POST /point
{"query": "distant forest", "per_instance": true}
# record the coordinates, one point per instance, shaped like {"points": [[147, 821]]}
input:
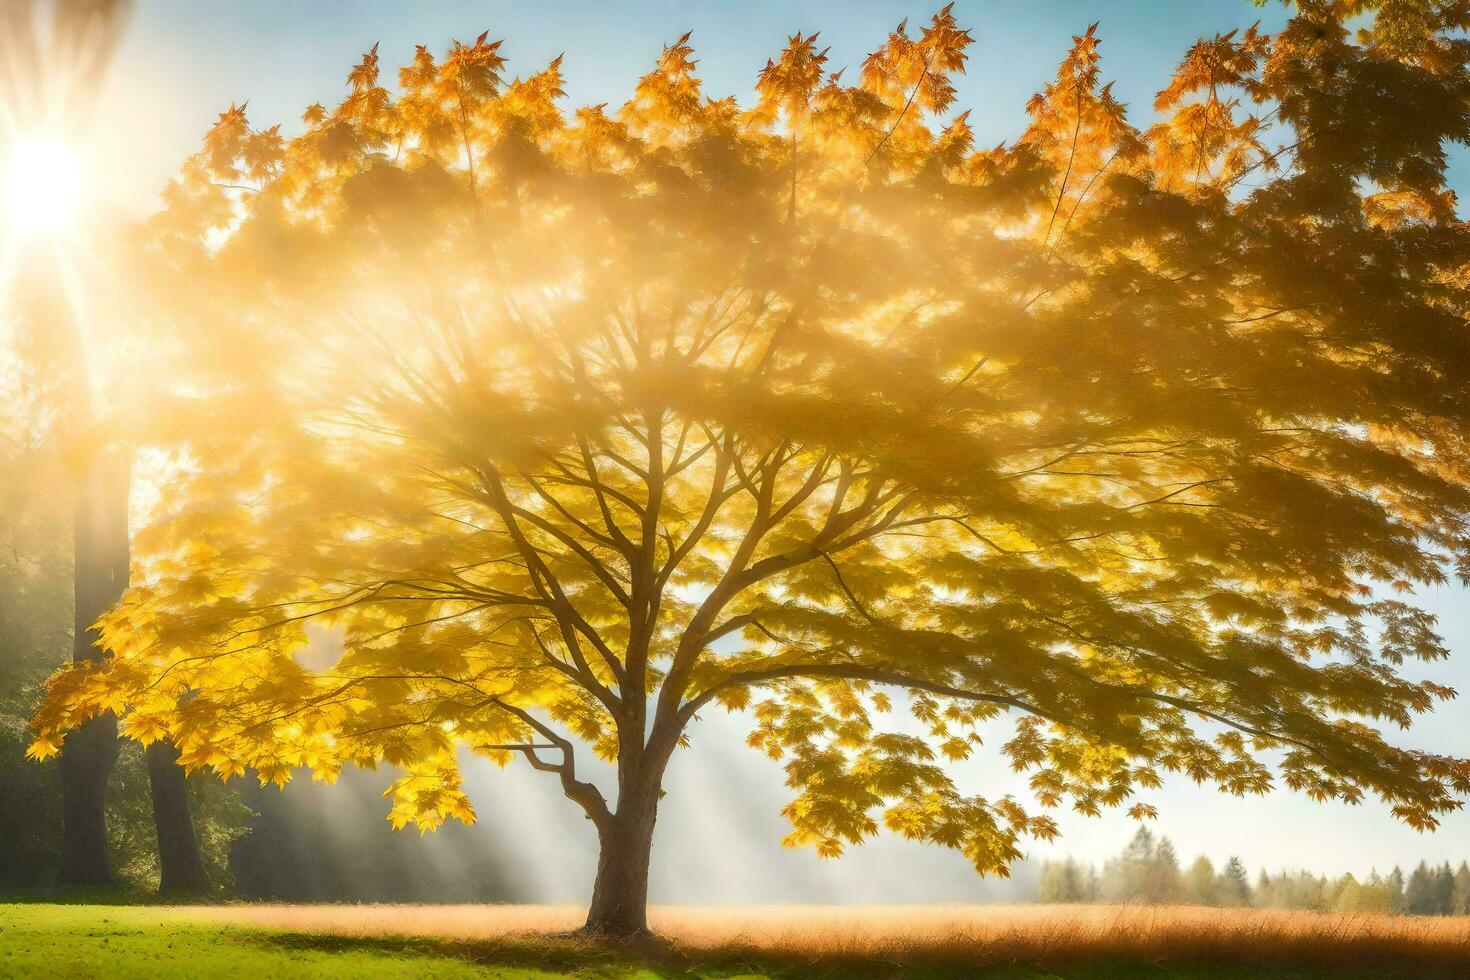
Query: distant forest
{"points": [[1148, 872]]}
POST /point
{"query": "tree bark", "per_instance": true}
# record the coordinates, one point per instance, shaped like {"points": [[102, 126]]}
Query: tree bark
{"points": [[619, 908], [179, 860], [100, 556], [87, 758]]}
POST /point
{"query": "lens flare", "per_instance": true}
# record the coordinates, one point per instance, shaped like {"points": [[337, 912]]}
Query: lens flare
{"points": [[43, 186]]}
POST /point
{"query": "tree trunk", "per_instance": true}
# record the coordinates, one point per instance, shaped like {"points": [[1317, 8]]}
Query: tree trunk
{"points": [[87, 757], [100, 573], [179, 859], [619, 908]]}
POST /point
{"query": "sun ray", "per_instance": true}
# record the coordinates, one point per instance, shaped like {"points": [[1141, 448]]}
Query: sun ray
{"points": [[43, 186]]}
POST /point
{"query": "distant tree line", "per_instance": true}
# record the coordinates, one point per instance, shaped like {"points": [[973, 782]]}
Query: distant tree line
{"points": [[1148, 872]]}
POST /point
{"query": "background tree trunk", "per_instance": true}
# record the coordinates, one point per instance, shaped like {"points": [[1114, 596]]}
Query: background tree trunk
{"points": [[80, 37], [87, 757], [179, 860], [100, 555]]}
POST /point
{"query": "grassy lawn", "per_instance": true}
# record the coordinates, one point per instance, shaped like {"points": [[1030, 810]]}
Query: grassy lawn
{"points": [[124, 942], [40, 940]]}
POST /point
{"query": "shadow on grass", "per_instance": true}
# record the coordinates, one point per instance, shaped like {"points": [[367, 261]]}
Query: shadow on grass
{"points": [[550, 953], [591, 960]]}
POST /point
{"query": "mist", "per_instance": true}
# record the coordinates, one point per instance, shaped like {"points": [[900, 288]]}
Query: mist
{"points": [[719, 841]]}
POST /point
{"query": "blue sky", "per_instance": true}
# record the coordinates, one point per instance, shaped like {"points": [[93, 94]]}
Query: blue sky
{"points": [[184, 61]]}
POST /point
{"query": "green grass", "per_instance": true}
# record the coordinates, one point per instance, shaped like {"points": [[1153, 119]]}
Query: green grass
{"points": [[124, 942], [119, 942]]}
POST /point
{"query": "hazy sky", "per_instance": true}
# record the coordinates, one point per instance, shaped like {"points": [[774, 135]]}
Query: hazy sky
{"points": [[184, 61]]}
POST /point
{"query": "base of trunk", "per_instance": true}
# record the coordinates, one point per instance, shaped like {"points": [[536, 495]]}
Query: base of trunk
{"points": [[179, 861], [616, 931], [622, 916], [641, 939], [86, 763]]}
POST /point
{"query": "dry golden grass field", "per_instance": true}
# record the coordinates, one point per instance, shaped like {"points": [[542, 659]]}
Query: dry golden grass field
{"points": [[460, 942], [948, 940]]}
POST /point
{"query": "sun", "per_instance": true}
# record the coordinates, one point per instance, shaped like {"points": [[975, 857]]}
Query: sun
{"points": [[43, 186]]}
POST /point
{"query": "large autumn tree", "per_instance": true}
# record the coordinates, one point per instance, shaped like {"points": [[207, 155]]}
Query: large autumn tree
{"points": [[1134, 442]]}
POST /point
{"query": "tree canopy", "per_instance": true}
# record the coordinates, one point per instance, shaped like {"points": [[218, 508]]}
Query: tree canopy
{"points": [[567, 426]]}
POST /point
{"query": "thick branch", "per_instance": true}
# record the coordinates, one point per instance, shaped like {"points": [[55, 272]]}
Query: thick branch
{"points": [[586, 795]]}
